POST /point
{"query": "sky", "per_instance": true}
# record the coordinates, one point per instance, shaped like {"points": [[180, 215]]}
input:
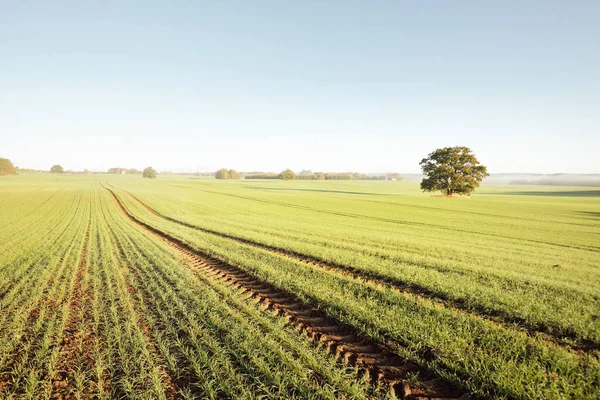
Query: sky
{"points": [[369, 86]]}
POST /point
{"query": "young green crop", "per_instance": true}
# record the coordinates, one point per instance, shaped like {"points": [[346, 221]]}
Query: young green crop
{"points": [[481, 354], [249, 353], [495, 261], [93, 305]]}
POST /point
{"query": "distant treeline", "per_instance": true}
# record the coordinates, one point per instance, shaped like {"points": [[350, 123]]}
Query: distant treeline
{"points": [[118, 170], [325, 176], [263, 176]]}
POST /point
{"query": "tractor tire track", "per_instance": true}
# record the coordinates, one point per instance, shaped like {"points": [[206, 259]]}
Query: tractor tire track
{"points": [[381, 364]]}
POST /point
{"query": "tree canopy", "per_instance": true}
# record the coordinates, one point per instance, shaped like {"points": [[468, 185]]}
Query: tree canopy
{"points": [[288, 175], [233, 174], [453, 170], [149, 172], [223, 173], [57, 169], [7, 167]]}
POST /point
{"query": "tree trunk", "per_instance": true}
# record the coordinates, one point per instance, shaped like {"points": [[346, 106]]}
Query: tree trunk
{"points": [[449, 192]]}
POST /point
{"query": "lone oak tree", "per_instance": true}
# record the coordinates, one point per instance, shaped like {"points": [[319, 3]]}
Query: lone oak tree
{"points": [[453, 170], [149, 172], [57, 169]]}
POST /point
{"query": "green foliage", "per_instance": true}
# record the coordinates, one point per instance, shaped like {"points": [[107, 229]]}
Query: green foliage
{"points": [[119, 170], [57, 169], [341, 176], [262, 176], [223, 173], [288, 175], [7, 167], [149, 172], [311, 177], [453, 170]]}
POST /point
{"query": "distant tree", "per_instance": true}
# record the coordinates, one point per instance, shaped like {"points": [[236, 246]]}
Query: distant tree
{"points": [[233, 174], [306, 172], [453, 170], [7, 167], [223, 173], [288, 175], [57, 169], [149, 172], [395, 176]]}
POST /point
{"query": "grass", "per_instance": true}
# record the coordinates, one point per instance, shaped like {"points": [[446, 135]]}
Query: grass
{"points": [[466, 288]]}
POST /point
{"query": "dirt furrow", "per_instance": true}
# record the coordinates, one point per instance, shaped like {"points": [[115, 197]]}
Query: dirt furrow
{"points": [[405, 379], [568, 339]]}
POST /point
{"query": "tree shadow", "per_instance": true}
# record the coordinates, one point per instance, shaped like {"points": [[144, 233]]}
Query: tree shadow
{"points": [[316, 190], [561, 193]]}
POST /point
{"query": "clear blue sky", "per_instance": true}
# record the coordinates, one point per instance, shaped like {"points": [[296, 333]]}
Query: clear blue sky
{"points": [[325, 85]]}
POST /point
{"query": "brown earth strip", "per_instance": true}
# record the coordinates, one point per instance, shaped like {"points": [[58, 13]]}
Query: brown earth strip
{"points": [[381, 364], [568, 338]]}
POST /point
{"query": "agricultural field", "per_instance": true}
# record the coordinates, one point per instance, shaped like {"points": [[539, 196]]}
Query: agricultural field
{"points": [[178, 287]]}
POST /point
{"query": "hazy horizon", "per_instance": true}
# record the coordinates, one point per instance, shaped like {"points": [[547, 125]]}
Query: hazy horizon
{"points": [[327, 86]]}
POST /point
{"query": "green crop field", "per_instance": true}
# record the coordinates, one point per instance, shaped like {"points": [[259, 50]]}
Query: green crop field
{"points": [[185, 287]]}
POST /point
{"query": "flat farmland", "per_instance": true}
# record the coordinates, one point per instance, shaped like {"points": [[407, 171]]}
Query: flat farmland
{"points": [[181, 287]]}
